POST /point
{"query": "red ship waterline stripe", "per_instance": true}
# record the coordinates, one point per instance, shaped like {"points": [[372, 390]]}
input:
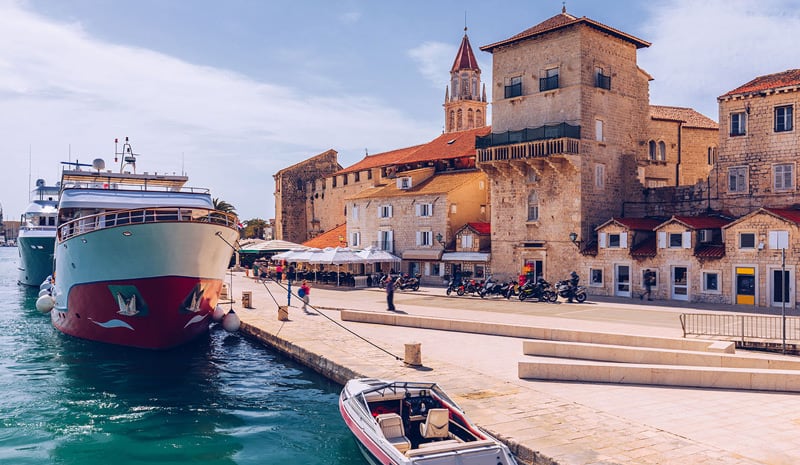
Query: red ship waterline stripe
{"points": [[162, 326]]}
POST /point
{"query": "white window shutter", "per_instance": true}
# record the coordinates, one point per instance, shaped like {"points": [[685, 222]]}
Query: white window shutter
{"points": [[662, 240], [687, 240], [430, 209], [623, 240], [773, 239], [380, 211], [419, 237], [427, 269], [418, 209], [602, 240], [390, 235], [390, 211]]}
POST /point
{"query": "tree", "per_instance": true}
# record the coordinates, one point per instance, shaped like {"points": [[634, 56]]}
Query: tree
{"points": [[254, 229], [223, 206]]}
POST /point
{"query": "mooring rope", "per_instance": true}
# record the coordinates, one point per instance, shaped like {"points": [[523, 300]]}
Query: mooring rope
{"points": [[331, 320]]}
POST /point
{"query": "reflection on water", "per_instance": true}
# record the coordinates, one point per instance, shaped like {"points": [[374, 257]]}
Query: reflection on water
{"points": [[221, 400]]}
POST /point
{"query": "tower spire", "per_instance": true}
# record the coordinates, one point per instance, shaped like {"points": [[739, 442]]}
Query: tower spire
{"points": [[464, 106]]}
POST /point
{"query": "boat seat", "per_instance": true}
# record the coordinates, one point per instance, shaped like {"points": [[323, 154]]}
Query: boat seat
{"points": [[392, 428], [436, 425]]}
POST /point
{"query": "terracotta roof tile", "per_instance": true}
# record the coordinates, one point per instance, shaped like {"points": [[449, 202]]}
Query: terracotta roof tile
{"points": [[690, 117], [639, 224], [710, 251], [789, 78], [789, 214], [702, 221], [446, 146], [481, 228], [560, 21], [329, 238], [465, 59], [646, 248], [441, 183]]}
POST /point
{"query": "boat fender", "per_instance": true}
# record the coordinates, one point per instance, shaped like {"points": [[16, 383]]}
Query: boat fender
{"points": [[45, 285], [231, 322], [45, 292], [219, 312], [45, 303]]}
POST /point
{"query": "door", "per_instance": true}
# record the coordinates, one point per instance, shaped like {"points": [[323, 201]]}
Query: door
{"points": [[745, 285], [622, 280], [680, 283], [780, 289]]}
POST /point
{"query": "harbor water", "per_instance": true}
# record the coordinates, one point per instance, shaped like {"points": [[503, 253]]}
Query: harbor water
{"points": [[221, 400]]}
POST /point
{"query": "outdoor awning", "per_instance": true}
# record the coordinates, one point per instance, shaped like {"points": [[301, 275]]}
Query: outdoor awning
{"points": [[465, 257], [422, 254], [274, 245]]}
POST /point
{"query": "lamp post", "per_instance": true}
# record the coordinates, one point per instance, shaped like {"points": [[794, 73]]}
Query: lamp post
{"points": [[440, 239], [784, 291]]}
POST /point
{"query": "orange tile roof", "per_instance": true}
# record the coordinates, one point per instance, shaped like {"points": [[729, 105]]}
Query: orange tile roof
{"points": [[789, 214], [689, 116], [441, 183], [634, 224], [789, 78], [446, 146], [329, 238], [561, 21]]}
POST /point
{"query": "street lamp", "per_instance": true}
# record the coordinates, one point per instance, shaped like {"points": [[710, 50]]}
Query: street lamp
{"points": [[573, 237], [440, 239]]}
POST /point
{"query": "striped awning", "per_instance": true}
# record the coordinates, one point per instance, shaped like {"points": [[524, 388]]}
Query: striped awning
{"points": [[422, 254]]}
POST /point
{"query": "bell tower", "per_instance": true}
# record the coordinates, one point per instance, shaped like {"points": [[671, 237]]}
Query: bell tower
{"points": [[465, 97]]}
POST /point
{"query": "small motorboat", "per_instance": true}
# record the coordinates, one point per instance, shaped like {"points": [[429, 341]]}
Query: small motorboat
{"points": [[401, 422]]}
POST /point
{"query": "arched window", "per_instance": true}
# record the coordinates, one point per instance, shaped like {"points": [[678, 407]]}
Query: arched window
{"points": [[451, 122], [455, 88], [533, 206], [479, 123], [475, 88], [712, 155], [652, 153], [470, 119], [459, 120], [662, 151]]}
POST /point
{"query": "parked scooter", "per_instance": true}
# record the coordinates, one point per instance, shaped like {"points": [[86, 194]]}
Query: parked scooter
{"points": [[490, 287], [538, 289]]}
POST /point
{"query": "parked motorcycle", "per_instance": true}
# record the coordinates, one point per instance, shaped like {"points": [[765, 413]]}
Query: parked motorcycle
{"points": [[455, 285], [408, 282], [538, 289], [565, 289], [509, 289], [490, 287], [471, 287]]}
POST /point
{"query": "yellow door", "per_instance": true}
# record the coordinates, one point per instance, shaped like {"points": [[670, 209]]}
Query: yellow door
{"points": [[745, 286]]}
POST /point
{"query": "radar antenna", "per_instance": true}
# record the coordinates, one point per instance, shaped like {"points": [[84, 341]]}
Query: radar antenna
{"points": [[126, 157]]}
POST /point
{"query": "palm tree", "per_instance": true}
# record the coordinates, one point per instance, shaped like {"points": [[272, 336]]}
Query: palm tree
{"points": [[223, 206], [255, 228]]}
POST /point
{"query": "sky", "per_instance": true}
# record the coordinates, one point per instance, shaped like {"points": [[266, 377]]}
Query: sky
{"points": [[231, 92]]}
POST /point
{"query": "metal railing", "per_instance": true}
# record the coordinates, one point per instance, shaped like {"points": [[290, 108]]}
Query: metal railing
{"points": [[116, 218], [741, 327], [553, 131], [534, 149]]}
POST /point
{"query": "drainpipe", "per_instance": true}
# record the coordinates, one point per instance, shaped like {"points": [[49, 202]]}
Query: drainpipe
{"points": [[678, 165]]}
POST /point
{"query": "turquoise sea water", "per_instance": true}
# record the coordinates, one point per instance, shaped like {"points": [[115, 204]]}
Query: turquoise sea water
{"points": [[222, 400]]}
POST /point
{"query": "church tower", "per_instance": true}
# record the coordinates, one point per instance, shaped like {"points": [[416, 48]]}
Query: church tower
{"points": [[465, 106]]}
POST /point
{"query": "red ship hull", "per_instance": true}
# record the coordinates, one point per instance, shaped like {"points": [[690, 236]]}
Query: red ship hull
{"points": [[151, 313]]}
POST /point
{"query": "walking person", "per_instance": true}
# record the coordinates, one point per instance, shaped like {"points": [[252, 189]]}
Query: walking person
{"points": [[649, 282], [305, 290], [390, 294]]}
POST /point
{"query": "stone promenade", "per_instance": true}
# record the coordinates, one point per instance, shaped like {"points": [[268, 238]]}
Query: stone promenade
{"points": [[544, 422]]}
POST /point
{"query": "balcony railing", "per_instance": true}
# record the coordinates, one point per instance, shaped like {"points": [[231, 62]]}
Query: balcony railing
{"points": [[556, 131], [548, 83], [141, 216], [533, 149], [514, 90]]}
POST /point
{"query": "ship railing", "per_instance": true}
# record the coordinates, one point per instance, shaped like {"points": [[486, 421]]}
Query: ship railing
{"points": [[143, 186], [115, 218]]}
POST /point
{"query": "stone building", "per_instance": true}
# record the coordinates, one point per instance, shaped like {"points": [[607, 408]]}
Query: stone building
{"points": [[681, 147], [416, 216], [473, 246], [294, 220]]}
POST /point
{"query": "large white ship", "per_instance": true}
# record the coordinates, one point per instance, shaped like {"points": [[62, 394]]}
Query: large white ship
{"points": [[140, 258], [37, 235]]}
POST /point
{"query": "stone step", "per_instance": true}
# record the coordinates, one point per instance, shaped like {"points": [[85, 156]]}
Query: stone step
{"points": [[662, 375], [646, 355]]}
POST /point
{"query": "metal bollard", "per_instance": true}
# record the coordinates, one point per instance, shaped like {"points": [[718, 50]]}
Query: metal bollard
{"points": [[413, 354], [283, 313], [247, 299]]}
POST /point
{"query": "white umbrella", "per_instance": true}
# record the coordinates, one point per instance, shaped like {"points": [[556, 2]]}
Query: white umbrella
{"points": [[376, 255], [335, 256]]}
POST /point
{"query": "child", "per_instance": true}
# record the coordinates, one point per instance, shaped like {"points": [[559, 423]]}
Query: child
{"points": [[304, 292]]}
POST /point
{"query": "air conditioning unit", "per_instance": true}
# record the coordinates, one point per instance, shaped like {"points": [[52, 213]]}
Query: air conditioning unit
{"points": [[404, 183]]}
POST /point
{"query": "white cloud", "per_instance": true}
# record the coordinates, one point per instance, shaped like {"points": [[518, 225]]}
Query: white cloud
{"points": [[702, 50], [429, 57], [350, 17], [62, 90]]}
